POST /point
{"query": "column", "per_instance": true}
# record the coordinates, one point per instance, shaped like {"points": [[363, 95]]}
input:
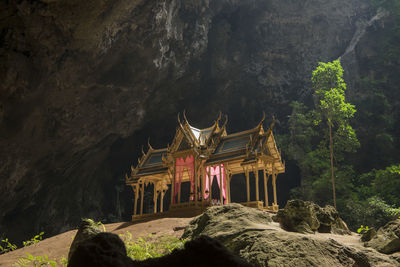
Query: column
{"points": [[155, 197], [229, 187], [141, 199], [162, 200], [226, 185], [247, 185], [274, 187], [266, 187], [179, 192], [196, 181], [173, 184], [256, 176], [221, 196], [191, 189], [136, 191]]}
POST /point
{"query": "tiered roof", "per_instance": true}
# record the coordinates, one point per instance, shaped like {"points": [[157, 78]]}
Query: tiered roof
{"points": [[213, 145]]}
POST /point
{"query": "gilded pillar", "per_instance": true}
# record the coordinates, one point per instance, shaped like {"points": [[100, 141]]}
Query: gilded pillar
{"points": [[247, 185]]}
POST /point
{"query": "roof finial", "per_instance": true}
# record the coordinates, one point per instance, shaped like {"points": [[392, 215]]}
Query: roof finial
{"points": [[226, 121], [148, 143], [262, 120], [184, 116], [219, 117], [273, 122]]}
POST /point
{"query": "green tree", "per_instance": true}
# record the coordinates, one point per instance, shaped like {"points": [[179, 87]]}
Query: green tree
{"points": [[332, 108]]}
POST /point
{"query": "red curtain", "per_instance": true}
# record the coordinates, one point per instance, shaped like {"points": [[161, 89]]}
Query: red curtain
{"points": [[214, 172], [180, 166]]}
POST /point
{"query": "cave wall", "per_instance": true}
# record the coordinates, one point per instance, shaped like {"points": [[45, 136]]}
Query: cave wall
{"points": [[84, 83]]}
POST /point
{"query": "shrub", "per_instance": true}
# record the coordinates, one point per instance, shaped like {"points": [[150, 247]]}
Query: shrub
{"points": [[7, 246], [33, 240]]}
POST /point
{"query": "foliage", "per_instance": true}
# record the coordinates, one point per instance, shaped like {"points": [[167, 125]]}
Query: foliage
{"points": [[368, 179], [309, 142], [394, 212], [7, 246], [142, 248], [64, 261], [383, 183], [31, 260], [102, 226], [362, 229], [331, 107], [373, 211], [33, 240], [329, 86]]}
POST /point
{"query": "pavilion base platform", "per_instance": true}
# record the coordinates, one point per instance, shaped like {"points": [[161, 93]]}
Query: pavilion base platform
{"points": [[260, 205], [190, 208], [254, 204], [273, 208]]}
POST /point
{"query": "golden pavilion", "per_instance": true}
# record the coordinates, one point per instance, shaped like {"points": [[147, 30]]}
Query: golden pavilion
{"points": [[201, 156]]}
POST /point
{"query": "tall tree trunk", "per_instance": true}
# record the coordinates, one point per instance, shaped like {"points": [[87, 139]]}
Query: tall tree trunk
{"points": [[332, 170]]}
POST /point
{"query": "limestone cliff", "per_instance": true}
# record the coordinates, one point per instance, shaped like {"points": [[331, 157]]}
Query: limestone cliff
{"points": [[85, 82]]}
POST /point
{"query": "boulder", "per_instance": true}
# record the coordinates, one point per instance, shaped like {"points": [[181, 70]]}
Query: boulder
{"points": [[227, 220], [252, 235], [87, 229], [101, 250], [367, 235], [307, 217], [387, 239]]}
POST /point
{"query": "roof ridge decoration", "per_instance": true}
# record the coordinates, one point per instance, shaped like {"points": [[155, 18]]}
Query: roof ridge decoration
{"points": [[148, 143]]}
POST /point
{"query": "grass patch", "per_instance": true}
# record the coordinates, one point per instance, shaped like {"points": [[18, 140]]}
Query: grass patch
{"points": [[150, 247], [36, 261]]}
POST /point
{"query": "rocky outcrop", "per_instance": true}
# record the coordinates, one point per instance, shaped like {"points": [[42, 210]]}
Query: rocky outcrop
{"points": [[103, 249], [387, 239], [227, 220], [252, 235], [87, 230], [307, 217], [367, 235]]}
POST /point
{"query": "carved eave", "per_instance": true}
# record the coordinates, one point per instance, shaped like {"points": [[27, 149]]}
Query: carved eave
{"points": [[180, 136], [274, 155]]}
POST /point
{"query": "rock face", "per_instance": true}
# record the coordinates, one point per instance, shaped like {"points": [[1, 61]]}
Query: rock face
{"points": [[250, 234], [387, 239], [84, 83], [307, 217], [226, 220]]}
